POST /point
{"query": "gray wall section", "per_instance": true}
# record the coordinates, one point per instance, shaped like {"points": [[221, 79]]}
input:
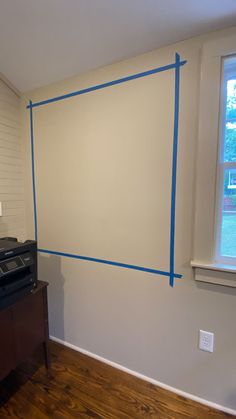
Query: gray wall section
{"points": [[133, 318], [139, 322]]}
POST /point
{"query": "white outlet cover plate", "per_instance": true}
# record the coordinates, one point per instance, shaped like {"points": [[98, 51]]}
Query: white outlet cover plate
{"points": [[206, 341]]}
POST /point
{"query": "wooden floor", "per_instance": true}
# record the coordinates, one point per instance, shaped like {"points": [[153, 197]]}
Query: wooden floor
{"points": [[81, 387]]}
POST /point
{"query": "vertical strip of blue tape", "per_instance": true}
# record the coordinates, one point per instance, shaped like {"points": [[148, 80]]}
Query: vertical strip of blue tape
{"points": [[174, 169], [33, 169]]}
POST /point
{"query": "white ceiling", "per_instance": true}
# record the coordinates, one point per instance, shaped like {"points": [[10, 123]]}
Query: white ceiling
{"points": [[42, 41]]}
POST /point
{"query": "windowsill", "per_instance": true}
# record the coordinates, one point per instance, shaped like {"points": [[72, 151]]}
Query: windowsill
{"points": [[214, 266], [214, 273]]}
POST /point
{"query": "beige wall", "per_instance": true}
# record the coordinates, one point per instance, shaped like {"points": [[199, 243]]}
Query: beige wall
{"points": [[130, 317], [12, 223], [99, 195]]}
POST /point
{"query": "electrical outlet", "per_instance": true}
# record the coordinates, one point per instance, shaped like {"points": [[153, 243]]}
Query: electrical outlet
{"points": [[206, 341]]}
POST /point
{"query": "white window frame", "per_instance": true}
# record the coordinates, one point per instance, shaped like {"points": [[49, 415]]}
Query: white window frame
{"points": [[207, 267], [227, 74]]}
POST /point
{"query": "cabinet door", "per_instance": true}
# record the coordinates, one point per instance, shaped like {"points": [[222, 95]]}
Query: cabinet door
{"points": [[7, 349], [28, 324]]}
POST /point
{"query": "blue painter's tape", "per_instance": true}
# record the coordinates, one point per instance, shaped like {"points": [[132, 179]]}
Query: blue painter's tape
{"points": [[109, 262], [174, 170], [171, 274], [33, 169], [108, 84]]}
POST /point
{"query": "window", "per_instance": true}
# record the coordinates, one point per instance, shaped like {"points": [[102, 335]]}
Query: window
{"points": [[226, 208], [214, 256]]}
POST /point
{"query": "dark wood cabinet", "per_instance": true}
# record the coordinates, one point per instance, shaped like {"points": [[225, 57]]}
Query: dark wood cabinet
{"points": [[7, 349], [23, 327]]}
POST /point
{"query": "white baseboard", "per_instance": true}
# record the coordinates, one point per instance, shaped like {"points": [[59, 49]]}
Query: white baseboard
{"points": [[145, 378]]}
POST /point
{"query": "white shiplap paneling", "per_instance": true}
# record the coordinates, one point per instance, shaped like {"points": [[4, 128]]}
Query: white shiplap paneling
{"points": [[12, 223]]}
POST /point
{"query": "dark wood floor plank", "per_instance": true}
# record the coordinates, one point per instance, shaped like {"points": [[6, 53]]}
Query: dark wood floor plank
{"points": [[120, 392], [123, 398], [81, 387]]}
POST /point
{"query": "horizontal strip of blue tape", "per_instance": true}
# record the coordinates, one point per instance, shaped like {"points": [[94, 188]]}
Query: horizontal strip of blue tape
{"points": [[108, 84], [109, 262]]}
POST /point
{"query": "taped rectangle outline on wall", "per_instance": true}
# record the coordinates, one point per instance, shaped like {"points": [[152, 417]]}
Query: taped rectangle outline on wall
{"points": [[176, 66]]}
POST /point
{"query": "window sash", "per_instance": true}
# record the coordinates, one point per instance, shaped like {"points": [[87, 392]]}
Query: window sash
{"points": [[227, 74], [219, 219]]}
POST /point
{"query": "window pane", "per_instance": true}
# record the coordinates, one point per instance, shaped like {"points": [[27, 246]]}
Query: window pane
{"points": [[228, 227], [230, 123]]}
